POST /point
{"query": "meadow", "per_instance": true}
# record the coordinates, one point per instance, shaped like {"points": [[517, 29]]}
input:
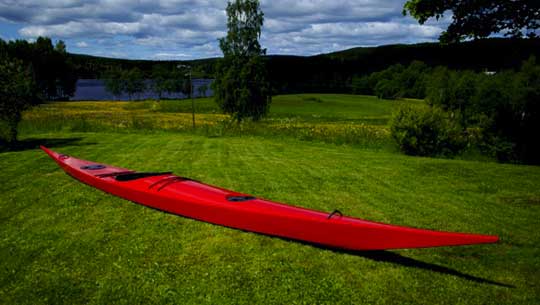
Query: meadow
{"points": [[337, 119], [63, 242]]}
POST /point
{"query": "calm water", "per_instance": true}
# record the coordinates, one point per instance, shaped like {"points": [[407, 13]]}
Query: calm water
{"points": [[94, 90]]}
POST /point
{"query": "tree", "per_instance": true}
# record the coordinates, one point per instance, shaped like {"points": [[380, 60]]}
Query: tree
{"points": [[114, 83], [202, 90], [160, 80], [180, 82], [479, 18], [133, 81], [241, 85], [360, 85], [60, 47], [53, 70], [118, 81], [17, 93]]}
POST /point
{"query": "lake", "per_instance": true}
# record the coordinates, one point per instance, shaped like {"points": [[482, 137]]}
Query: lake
{"points": [[94, 90]]}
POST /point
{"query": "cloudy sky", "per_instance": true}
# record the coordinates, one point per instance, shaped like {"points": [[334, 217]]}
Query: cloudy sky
{"points": [[187, 29]]}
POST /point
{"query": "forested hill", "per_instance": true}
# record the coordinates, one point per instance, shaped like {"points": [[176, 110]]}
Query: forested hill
{"points": [[94, 67], [333, 72]]}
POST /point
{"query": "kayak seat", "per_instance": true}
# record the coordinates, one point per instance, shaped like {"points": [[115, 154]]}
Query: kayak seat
{"points": [[134, 176], [239, 198], [93, 167]]}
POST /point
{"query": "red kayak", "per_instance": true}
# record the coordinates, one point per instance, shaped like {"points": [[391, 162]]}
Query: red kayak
{"points": [[193, 199]]}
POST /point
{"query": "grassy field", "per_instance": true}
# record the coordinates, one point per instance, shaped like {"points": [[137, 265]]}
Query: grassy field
{"points": [[63, 242], [338, 119]]}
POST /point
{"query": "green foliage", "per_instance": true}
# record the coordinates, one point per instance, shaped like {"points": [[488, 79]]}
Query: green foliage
{"points": [[17, 93], [505, 106], [413, 80], [53, 69], [160, 80], [119, 81], [133, 82], [244, 22], [113, 81], [388, 89], [479, 19], [241, 86], [202, 89], [426, 131], [360, 85], [60, 47], [394, 82], [454, 90], [179, 81]]}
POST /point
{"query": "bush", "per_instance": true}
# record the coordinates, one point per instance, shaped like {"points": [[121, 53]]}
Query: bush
{"points": [[426, 131], [388, 89]]}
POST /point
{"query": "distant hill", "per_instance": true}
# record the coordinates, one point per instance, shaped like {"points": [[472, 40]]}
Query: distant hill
{"points": [[88, 66], [332, 72], [491, 54]]}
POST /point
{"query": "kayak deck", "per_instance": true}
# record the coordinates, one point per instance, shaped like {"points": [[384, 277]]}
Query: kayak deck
{"points": [[193, 199]]}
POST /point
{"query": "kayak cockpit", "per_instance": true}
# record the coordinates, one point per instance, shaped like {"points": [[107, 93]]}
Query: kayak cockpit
{"points": [[134, 175]]}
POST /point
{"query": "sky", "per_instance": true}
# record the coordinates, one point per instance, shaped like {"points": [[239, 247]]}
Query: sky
{"points": [[190, 29]]}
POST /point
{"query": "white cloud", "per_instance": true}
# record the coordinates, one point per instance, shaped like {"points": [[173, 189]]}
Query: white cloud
{"points": [[170, 56], [154, 28]]}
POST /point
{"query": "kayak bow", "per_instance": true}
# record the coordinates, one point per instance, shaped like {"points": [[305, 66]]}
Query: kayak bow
{"points": [[193, 199]]}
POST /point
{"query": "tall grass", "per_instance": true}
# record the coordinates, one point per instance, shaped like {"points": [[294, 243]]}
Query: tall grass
{"points": [[332, 126]]}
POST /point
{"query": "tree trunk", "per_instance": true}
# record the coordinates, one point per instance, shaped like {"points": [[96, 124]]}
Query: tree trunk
{"points": [[12, 133]]}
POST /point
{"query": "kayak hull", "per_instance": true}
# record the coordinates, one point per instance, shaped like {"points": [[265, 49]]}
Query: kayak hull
{"points": [[193, 199]]}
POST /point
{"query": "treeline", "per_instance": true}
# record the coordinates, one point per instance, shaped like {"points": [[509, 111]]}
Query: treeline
{"points": [[397, 81], [52, 68], [31, 72], [93, 67], [499, 113], [162, 80], [334, 72]]}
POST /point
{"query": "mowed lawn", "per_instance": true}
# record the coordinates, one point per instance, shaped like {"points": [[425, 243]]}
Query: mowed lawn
{"points": [[63, 242]]}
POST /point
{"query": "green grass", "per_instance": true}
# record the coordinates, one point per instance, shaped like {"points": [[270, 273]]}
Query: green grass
{"points": [[330, 118], [62, 242], [333, 108], [66, 243]]}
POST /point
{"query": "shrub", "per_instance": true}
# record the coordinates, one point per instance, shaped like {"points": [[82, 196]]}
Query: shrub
{"points": [[387, 89], [426, 131]]}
